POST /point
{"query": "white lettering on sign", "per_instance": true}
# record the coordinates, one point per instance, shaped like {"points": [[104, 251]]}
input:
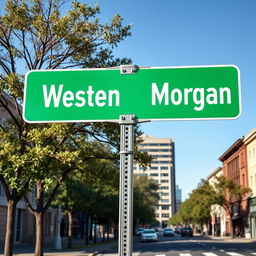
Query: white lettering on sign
{"points": [[55, 95], [198, 96]]}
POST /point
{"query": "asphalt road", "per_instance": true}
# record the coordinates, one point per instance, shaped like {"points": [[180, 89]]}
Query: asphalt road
{"points": [[193, 246]]}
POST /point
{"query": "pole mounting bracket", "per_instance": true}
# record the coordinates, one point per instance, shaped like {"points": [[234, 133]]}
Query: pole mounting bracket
{"points": [[128, 69]]}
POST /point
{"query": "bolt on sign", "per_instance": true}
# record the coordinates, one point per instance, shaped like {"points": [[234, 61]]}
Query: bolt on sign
{"points": [[152, 94]]}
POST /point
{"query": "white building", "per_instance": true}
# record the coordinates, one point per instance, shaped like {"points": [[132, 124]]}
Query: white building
{"points": [[250, 142], [218, 216], [162, 172]]}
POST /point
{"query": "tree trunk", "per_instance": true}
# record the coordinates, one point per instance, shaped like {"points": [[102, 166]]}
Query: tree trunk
{"points": [[91, 225], [231, 226], [108, 231], [95, 233], [39, 250], [9, 235], [39, 215], [86, 229], [103, 233], [70, 229], [115, 231]]}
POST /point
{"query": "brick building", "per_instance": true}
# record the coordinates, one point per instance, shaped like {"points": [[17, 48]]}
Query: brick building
{"points": [[235, 167]]}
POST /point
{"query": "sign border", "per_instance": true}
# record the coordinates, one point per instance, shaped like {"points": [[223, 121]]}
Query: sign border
{"points": [[139, 120]]}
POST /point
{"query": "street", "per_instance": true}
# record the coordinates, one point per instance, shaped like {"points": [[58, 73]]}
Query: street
{"points": [[193, 246]]}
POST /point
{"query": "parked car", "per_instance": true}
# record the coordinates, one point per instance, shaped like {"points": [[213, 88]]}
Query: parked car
{"points": [[187, 231], [159, 229], [168, 232], [139, 231], [149, 235], [178, 230]]}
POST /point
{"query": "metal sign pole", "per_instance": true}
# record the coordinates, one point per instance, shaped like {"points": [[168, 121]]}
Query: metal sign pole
{"points": [[125, 239]]}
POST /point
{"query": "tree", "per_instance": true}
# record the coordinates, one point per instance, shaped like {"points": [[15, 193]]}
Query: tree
{"points": [[202, 201], [87, 191], [196, 209], [39, 34], [226, 193], [146, 197]]}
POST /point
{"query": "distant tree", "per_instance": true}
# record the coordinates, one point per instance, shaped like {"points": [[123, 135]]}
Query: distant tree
{"points": [[202, 201], [195, 209]]}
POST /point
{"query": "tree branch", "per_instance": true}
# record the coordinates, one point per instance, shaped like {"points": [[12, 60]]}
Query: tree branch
{"points": [[29, 205], [55, 190], [5, 105]]}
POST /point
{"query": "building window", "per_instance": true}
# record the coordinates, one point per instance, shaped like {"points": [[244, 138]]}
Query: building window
{"points": [[48, 224], [233, 170], [164, 194], [18, 225], [161, 162], [164, 181], [153, 174], [164, 187], [153, 168], [161, 156], [164, 200], [155, 150], [165, 174], [1, 190], [164, 168], [165, 215], [165, 207], [33, 194], [154, 144], [157, 215]]}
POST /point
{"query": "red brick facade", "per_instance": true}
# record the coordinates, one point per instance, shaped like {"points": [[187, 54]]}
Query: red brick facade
{"points": [[235, 167]]}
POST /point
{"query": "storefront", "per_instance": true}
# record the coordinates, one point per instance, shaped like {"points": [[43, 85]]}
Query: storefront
{"points": [[252, 216]]}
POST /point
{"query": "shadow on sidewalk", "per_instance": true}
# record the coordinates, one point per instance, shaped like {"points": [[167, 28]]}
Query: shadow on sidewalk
{"points": [[79, 247]]}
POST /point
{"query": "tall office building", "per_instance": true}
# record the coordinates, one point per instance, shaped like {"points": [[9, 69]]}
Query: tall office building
{"points": [[162, 172], [178, 197]]}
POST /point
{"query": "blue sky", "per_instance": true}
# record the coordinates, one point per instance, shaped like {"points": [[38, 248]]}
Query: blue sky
{"points": [[187, 33]]}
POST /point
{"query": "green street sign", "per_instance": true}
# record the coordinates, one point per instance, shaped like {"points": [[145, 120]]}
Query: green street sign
{"points": [[166, 93]]}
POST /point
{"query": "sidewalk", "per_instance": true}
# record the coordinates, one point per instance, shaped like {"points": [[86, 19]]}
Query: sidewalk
{"points": [[79, 249], [228, 238]]}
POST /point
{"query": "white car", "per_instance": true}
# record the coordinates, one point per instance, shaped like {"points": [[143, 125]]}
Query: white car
{"points": [[149, 235], [139, 231]]}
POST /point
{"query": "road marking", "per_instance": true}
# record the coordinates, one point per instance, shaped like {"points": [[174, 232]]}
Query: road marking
{"points": [[222, 251], [160, 255], [253, 253], [185, 254], [209, 254], [135, 254], [234, 254]]}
